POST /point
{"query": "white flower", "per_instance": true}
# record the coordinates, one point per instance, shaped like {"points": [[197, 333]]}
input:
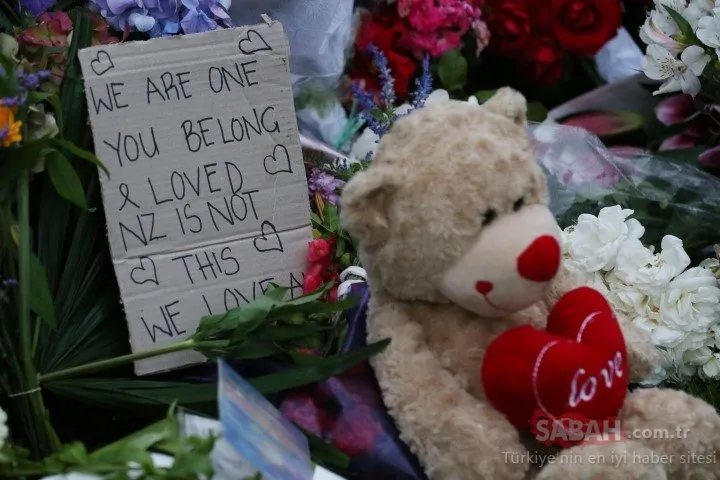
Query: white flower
{"points": [[365, 146], [682, 74], [637, 265], [595, 241], [4, 432], [706, 359], [708, 31], [696, 10], [692, 301], [658, 30], [626, 298]]}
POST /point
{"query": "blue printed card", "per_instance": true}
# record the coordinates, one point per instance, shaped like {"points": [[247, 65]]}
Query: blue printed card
{"points": [[259, 433]]}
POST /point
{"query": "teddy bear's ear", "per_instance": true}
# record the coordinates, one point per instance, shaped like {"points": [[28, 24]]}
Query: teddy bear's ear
{"points": [[508, 103], [365, 202]]}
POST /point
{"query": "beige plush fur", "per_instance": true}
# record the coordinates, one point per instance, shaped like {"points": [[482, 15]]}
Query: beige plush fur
{"points": [[417, 212]]}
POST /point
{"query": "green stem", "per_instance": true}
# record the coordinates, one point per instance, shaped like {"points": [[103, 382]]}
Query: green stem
{"points": [[117, 361], [38, 423]]}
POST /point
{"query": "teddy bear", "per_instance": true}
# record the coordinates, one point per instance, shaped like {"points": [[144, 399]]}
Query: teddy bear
{"points": [[462, 255]]}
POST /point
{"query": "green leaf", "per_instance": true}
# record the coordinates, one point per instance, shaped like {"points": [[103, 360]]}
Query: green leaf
{"points": [[453, 70], [322, 370], [37, 97], [683, 155], [41, 301], [536, 112], [484, 95], [17, 160], [84, 154], [72, 96], [684, 26], [65, 179], [332, 219]]}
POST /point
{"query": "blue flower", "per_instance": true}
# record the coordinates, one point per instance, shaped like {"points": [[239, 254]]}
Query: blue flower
{"points": [[36, 7], [158, 18], [387, 94], [423, 85]]}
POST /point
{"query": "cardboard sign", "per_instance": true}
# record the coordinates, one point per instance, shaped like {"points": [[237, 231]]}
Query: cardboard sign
{"points": [[207, 201]]}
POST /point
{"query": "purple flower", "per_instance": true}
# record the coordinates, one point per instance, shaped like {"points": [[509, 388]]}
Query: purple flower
{"points": [[9, 283], [159, 18], [31, 81], [423, 85], [12, 102], [387, 93], [325, 184], [36, 7]]}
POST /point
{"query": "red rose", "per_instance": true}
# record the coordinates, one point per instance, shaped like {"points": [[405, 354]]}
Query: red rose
{"points": [[318, 250], [584, 26], [313, 278], [545, 58], [510, 25], [389, 33]]}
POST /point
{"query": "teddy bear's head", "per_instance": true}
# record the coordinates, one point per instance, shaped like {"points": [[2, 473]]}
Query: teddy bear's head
{"points": [[454, 208]]}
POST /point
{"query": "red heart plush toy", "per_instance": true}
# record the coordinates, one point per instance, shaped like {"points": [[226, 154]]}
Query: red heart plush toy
{"points": [[575, 369]]}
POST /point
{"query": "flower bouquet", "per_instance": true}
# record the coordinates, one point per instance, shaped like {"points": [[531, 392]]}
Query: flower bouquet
{"points": [[465, 39]]}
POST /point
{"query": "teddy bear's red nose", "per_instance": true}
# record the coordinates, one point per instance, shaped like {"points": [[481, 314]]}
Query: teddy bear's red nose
{"points": [[541, 260]]}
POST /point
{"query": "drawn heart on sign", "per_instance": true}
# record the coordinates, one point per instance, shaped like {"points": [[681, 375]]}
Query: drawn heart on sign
{"points": [[268, 240], [253, 43], [146, 272], [278, 161], [102, 63]]}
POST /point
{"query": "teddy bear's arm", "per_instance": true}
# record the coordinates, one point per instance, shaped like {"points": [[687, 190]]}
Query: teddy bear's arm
{"points": [[643, 357], [455, 435]]}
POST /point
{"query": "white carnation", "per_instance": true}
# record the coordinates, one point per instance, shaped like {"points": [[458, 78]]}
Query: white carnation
{"points": [[594, 242], [691, 302], [637, 265], [626, 298]]}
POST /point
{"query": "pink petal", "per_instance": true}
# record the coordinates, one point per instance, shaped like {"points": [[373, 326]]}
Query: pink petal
{"points": [[677, 142], [604, 124], [710, 158], [675, 109]]}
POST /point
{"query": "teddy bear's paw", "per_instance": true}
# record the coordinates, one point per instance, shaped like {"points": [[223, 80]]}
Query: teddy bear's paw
{"points": [[681, 429], [617, 461], [471, 451]]}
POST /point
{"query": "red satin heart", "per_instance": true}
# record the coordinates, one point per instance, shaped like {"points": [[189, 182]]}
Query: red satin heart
{"points": [[575, 369]]}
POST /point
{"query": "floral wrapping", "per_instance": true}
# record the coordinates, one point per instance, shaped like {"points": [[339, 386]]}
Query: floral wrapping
{"points": [[348, 412]]}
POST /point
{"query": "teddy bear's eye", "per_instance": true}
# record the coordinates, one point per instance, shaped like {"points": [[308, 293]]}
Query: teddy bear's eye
{"points": [[488, 216], [519, 204]]}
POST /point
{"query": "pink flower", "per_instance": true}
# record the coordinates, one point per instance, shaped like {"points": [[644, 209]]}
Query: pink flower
{"points": [[689, 138], [710, 158], [318, 250], [675, 109], [437, 26]]}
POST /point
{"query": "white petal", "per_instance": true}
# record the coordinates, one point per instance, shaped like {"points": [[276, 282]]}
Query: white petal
{"points": [[690, 83], [660, 54], [672, 85], [695, 58], [652, 69]]}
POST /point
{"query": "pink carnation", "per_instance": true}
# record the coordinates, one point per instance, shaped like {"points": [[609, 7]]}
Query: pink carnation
{"points": [[437, 26]]}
